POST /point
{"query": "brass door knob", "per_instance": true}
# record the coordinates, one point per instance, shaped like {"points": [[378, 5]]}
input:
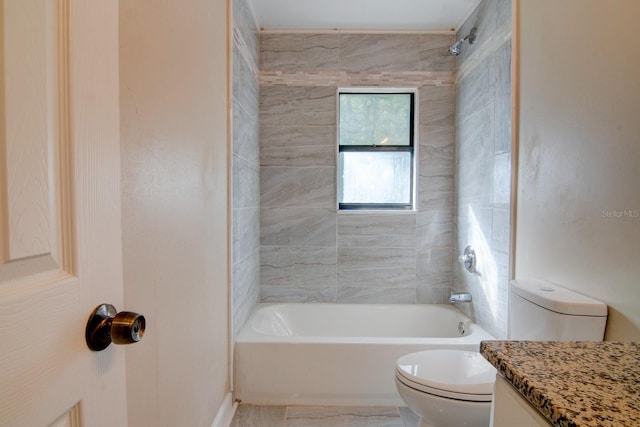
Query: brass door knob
{"points": [[106, 326]]}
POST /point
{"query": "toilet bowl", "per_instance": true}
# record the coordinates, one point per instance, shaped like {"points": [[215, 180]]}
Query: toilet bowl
{"points": [[444, 396], [452, 388]]}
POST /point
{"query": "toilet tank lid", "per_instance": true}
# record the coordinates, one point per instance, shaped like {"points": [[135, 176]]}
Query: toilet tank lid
{"points": [[557, 298]]}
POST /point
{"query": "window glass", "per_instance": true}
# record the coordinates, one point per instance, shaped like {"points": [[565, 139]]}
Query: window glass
{"points": [[375, 177], [376, 151], [375, 119]]}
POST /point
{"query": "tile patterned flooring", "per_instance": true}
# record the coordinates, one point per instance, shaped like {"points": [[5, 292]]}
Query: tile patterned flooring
{"points": [[323, 416]]}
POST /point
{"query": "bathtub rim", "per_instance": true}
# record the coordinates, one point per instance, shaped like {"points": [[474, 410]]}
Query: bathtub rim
{"points": [[249, 335]]}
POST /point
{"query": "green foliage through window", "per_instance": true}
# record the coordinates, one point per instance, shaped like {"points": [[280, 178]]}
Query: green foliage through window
{"points": [[375, 119]]}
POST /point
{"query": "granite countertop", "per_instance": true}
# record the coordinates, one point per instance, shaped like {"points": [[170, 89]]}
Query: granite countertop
{"points": [[573, 384]]}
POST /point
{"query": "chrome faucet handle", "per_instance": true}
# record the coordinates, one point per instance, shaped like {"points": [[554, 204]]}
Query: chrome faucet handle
{"points": [[468, 259]]}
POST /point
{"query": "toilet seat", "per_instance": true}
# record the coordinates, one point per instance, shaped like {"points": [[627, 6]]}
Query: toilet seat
{"points": [[454, 374]]}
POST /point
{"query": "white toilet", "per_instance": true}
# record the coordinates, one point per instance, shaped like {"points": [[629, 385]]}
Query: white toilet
{"points": [[453, 388]]}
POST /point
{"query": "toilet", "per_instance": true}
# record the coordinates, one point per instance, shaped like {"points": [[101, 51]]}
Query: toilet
{"points": [[454, 388]]}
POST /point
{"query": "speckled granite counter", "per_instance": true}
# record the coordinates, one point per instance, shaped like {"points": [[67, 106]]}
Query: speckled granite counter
{"points": [[573, 384]]}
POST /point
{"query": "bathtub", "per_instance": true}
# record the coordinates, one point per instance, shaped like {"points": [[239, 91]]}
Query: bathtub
{"points": [[339, 354]]}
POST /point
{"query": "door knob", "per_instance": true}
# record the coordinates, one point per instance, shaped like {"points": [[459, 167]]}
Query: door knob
{"points": [[106, 326]]}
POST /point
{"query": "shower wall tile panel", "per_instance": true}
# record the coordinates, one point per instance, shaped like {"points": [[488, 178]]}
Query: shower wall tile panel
{"points": [[475, 157], [365, 230], [297, 146], [501, 69], [287, 293], [434, 227], [434, 265], [310, 252], [501, 179], [489, 18], [483, 164], [298, 266], [500, 230], [503, 99], [473, 93], [245, 131], [299, 52], [435, 192], [245, 25], [436, 105], [376, 295], [434, 55], [247, 275], [433, 294], [436, 154], [245, 165], [245, 233], [292, 186], [298, 226], [502, 114], [246, 183], [374, 267], [379, 52], [245, 86], [300, 106]]}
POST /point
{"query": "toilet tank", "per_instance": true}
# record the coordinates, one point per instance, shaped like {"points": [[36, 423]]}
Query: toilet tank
{"points": [[544, 311]]}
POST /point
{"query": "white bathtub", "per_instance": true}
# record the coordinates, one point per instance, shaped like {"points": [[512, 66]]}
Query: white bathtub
{"points": [[339, 354]]}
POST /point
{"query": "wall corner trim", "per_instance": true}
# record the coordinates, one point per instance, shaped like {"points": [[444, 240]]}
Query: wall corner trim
{"points": [[226, 412]]}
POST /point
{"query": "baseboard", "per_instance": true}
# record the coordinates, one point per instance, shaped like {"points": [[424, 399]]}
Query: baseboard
{"points": [[225, 413]]}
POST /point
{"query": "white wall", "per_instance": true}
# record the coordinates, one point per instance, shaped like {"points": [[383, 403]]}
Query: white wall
{"points": [[580, 152], [173, 65]]}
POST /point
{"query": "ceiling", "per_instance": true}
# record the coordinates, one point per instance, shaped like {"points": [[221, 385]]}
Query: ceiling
{"points": [[363, 15]]}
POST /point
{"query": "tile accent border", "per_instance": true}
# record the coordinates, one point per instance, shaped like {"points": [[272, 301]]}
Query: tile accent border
{"points": [[356, 78]]}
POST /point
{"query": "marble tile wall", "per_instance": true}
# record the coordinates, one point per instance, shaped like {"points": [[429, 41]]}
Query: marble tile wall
{"points": [[245, 165], [483, 159], [308, 251]]}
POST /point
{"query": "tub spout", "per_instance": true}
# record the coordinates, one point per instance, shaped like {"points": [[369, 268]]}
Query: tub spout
{"points": [[459, 297]]}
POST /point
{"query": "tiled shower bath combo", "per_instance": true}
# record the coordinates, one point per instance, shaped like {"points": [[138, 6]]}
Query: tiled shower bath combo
{"points": [[292, 245], [289, 242]]}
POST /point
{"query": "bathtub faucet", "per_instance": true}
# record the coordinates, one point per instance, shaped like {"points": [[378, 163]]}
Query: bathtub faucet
{"points": [[459, 297]]}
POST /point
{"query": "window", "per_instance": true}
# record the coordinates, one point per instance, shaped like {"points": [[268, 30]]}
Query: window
{"points": [[376, 150]]}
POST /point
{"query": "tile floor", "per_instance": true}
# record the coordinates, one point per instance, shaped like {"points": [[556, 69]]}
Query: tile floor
{"points": [[323, 416]]}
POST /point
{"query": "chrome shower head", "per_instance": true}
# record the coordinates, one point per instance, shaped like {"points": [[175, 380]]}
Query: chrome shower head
{"points": [[456, 48]]}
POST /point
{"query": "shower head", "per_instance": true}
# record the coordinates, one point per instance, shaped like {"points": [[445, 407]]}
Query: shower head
{"points": [[456, 48]]}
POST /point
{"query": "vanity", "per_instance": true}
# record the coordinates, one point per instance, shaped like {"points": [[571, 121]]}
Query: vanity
{"points": [[565, 384]]}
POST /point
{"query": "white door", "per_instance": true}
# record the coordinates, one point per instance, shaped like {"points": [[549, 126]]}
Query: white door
{"points": [[60, 236]]}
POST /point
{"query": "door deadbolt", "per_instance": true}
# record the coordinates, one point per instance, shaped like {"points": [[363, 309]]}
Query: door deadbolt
{"points": [[106, 326]]}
